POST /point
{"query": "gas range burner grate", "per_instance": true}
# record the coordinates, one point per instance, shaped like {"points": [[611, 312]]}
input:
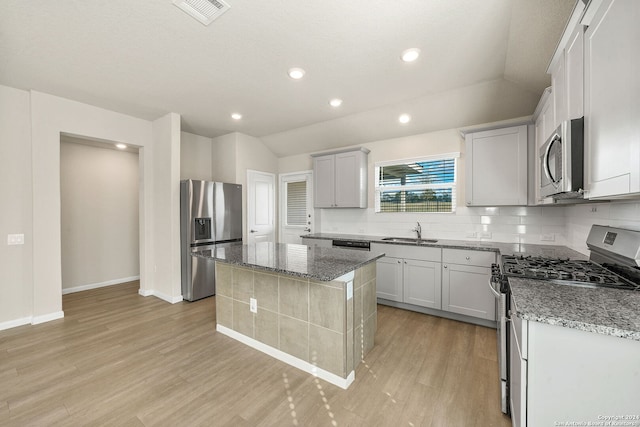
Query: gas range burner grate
{"points": [[585, 273]]}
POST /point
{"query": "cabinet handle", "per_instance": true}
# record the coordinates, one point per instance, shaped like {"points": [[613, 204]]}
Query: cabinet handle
{"points": [[468, 258], [399, 261], [444, 266]]}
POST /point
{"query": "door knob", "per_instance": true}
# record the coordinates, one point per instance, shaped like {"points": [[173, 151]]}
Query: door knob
{"points": [[253, 231], [307, 229]]}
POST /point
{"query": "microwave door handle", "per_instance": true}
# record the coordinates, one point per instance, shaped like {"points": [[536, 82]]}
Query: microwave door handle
{"points": [[547, 152]]}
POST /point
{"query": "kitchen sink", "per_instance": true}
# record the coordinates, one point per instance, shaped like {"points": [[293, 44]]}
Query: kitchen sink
{"points": [[408, 240]]}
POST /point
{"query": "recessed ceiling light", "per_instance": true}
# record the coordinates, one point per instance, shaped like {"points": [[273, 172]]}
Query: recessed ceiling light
{"points": [[296, 73], [410, 55], [236, 116], [121, 146], [336, 102], [404, 118]]}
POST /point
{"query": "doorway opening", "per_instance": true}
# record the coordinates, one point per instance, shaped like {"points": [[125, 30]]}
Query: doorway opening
{"points": [[296, 206], [99, 218]]}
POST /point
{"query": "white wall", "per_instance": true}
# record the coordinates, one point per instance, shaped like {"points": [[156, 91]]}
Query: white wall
{"points": [[235, 153], [166, 203], [223, 158], [195, 157], [32, 285], [16, 266], [99, 215]]}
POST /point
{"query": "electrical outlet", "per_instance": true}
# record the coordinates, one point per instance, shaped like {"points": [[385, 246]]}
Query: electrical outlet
{"points": [[594, 209], [472, 235], [15, 239], [548, 237], [253, 305]]}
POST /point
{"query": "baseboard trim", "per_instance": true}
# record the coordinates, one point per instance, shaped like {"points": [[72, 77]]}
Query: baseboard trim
{"points": [[15, 323], [145, 292], [162, 296], [99, 285], [36, 320], [334, 379]]}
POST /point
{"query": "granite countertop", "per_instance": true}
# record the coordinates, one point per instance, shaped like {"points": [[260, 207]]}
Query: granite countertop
{"points": [[605, 311], [323, 264]]}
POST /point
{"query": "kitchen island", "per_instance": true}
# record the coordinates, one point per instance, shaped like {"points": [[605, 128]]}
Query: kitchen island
{"points": [[313, 308]]}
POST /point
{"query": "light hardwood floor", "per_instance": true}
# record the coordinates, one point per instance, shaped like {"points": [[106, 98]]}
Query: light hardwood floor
{"points": [[120, 359]]}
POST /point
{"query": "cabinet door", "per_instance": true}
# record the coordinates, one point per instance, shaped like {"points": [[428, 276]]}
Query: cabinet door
{"points": [[465, 290], [559, 92], [324, 181], [612, 100], [497, 167], [389, 278], [349, 179], [574, 64], [422, 281]]}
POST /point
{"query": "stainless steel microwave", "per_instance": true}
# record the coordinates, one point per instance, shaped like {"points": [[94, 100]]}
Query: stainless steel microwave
{"points": [[562, 161]]}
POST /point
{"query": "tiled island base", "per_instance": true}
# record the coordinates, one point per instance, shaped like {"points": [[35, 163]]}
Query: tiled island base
{"points": [[324, 328]]}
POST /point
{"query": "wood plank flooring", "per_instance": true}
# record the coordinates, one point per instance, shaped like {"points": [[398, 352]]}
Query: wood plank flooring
{"points": [[121, 359]]}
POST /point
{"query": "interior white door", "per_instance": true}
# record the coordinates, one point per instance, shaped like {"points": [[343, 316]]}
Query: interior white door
{"points": [[296, 206], [260, 207]]}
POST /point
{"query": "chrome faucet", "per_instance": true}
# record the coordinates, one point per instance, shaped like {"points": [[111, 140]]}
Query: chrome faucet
{"points": [[418, 230]]}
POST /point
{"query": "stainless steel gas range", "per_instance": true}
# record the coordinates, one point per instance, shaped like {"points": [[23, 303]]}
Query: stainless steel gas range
{"points": [[614, 263]]}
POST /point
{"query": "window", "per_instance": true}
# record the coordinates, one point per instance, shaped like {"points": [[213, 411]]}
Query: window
{"points": [[297, 203], [417, 185]]}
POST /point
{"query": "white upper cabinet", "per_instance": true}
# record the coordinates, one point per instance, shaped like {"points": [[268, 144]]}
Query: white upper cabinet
{"points": [[567, 81], [340, 179], [496, 167], [574, 73], [612, 100]]}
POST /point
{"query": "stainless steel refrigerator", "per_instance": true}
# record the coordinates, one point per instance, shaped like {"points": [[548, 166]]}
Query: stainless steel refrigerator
{"points": [[210, 215]]}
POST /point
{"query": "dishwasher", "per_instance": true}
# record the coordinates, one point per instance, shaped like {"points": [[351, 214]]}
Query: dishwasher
{"points": [[357, 245]]}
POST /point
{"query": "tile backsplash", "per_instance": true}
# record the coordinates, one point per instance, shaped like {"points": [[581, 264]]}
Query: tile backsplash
{"points": [[552, 225]]}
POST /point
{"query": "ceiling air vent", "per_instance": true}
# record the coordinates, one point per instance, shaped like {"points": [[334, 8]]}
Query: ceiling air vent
{"points": [[205, 11]]}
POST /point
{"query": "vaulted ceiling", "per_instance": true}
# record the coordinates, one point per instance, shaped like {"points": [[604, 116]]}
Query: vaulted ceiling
{"points": [[481, 61]]}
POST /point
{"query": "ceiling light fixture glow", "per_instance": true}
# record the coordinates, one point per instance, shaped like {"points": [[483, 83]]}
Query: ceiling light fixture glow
{"points": [[336, 102], [404, 118], [296, 73], [121, 146], [410, 55], [236, 116]]}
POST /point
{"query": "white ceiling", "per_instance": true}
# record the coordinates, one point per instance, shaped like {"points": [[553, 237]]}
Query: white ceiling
{"points": [[481, 61]]}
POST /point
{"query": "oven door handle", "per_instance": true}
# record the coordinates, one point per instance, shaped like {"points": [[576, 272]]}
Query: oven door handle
{"points": [[493, 290]]}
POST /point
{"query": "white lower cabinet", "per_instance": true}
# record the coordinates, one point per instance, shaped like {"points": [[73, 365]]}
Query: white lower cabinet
{"points": [[421, 283], [449, 280], [561, 374], [389, 278], [465, 290], [465, 283], [411, 281], [409, 274]]}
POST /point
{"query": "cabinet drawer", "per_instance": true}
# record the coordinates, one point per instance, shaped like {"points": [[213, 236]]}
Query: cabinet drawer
{"points": [[468, 257], [408, 251]]}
